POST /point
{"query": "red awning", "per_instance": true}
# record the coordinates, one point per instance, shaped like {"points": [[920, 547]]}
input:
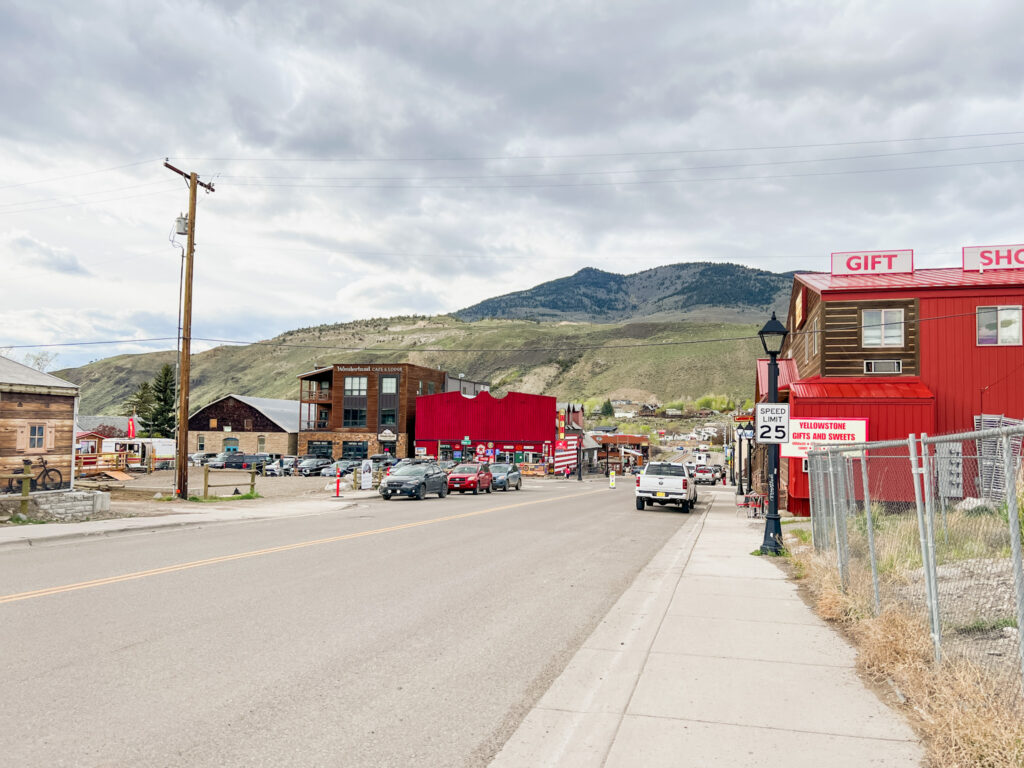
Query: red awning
{"points": [[787, 375], [859, 388]]}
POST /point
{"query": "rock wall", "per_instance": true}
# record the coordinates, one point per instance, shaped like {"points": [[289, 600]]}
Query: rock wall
{"points": [[58, 506]]}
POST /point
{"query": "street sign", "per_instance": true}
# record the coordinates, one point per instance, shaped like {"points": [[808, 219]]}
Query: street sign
{"points": [[466, 440], [772, 420]]}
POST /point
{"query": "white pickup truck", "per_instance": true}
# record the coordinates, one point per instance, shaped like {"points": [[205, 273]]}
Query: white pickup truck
{"points": [[662, 483]]}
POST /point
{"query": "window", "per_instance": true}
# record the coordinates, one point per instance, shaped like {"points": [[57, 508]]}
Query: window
{"points": [[389, 385], [883, 366], [999, 326], [248, 425], [353, 417], [419, 389], [814, 335], [322, 448], [261, 444], [200, 442], [388, 417], [354, 449], [36, 437], [430, 388], [355, 386], [231, 444], [882, 327], [213, 423], [387, 402]]}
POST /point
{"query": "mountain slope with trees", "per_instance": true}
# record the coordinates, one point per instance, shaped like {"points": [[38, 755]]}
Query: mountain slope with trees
{"points": [[691, 290]]}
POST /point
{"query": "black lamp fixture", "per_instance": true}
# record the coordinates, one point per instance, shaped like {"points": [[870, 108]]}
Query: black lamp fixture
{"points": [[773, 336]]}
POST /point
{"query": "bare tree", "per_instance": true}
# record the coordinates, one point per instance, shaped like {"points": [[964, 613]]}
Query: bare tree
{"points": [[41, 361]]}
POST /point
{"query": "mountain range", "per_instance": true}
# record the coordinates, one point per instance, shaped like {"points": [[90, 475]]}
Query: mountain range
{"points": [[670, 333]]}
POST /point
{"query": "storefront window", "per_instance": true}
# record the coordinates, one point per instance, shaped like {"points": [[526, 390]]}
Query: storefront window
{"points": [[354, 449], [999, 326], [882, 328], [355, 386]]}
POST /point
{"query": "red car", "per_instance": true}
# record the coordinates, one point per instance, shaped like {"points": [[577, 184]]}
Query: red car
{"points": [[470, 477]]}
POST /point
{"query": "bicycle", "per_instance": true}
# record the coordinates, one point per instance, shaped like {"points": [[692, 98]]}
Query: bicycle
{"points": [[49, 478]]}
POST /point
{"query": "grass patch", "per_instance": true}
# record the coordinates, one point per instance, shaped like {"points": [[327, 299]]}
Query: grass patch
{"points": [[982, 625], [213, 499], [966, 717]]}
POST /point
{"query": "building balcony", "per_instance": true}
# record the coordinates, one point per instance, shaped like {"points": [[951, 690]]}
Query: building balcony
{"points": [[316, 395], [314, 426]]}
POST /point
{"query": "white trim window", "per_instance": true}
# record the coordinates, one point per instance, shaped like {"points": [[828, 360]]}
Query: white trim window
{"points": [[881, 327], [814, 335], [999, 326]]}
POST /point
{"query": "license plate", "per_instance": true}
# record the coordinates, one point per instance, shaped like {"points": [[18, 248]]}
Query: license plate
{"points": [[659, 493], [456, 485]]}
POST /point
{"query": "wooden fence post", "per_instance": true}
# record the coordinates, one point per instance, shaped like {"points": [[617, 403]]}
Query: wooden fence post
{"points": [[206, 481], [26, 485], [252, 482]]}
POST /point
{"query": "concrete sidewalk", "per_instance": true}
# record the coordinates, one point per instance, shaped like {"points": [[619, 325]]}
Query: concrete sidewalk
{"points": [[711, 658], [177, 514]]}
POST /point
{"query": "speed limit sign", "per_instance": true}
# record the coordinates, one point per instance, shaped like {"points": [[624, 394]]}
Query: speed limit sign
{"points": [[771, 422]]}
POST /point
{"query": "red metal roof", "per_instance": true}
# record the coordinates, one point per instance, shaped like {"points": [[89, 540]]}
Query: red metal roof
{"points": [[787, 375], [858, 388], [946, 277], [516, 417]]}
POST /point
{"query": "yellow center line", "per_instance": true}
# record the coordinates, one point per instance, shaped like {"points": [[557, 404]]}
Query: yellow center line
{"points": [[257, 552]]}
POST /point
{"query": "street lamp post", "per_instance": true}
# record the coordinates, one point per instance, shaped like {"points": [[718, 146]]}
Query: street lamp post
{"points": [[745, 433], [773, 335]]}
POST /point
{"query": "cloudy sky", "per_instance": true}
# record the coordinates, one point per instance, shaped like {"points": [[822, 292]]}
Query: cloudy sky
{"points": [[373, 158]]}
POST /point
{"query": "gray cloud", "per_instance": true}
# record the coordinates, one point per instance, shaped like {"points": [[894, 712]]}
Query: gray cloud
{"points": [[46, 256]]}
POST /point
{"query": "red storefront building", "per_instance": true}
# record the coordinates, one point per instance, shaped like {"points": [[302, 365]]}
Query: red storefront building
{"points": [[878, 350], [517, 427]]}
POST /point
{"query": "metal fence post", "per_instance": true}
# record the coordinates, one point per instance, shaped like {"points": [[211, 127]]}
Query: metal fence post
{"points": [[915, 477], [814, 467], [871, 529], [1015, 545], [929, 530], [834, 498]]}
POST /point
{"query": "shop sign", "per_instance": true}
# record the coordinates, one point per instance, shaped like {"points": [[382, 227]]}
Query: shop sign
{"points": [[456, 454], [530, 447], [519, 457], [982, 258], [421, 451], [480, 450], [805, 433], [387, 436], [872, 262], [561, 445], [508, 447]]}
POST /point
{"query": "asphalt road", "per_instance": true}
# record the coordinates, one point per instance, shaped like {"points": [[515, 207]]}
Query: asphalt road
{"points": [[388, 634]]}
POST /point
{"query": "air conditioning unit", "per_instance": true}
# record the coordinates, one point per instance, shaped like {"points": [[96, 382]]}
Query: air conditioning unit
{"points": [[883, 366]]}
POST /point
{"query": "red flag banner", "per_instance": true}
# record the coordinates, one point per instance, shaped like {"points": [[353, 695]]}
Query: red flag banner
{"points": [[131, 426]]}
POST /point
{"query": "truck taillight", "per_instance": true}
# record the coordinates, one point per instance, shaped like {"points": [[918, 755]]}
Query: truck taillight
{"points": [[684, 483], [638, 481]]}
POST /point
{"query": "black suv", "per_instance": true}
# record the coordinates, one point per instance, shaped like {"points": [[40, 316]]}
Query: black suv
{"points": [[245, 461], [415, 479]]}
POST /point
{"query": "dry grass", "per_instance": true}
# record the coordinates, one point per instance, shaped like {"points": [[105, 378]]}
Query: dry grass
{"points": [[965, 718]]}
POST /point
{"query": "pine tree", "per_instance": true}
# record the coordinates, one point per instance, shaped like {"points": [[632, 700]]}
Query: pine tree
{"points": [[140, 403], [163, 419], [607, 409]]}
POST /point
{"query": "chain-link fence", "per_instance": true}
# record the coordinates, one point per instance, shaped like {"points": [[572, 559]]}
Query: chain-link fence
{"points": [[932, 526]]}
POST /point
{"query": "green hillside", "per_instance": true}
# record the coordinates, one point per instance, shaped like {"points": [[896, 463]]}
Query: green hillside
{"points": [[568, 360]]}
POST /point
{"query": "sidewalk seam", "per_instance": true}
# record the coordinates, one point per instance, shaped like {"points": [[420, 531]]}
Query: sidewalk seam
{"points": [[698, 529], [775, 728]]}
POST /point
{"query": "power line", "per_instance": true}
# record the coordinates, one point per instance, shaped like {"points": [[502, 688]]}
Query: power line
{"points": [[478, 158], [563, 348], [82, 194], [637, 182], [77, 175], [91, 202], [630, 170]]}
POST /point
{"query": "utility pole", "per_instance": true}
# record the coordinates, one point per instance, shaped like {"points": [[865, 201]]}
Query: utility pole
{"points": [[181, 452]]}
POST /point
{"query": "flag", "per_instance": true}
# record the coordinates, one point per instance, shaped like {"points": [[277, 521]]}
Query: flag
{"points": [[131, 426]]}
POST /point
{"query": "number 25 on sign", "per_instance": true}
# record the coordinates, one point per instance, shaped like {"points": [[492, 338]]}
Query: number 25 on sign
{"points": [[772, 422]]}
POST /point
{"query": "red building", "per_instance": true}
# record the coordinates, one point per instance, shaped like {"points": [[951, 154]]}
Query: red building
{"points": [[518, 426], [910, 352]]}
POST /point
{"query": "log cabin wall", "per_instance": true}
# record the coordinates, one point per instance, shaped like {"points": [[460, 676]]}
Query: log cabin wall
{"points": [[54, 414], [843, 350]]}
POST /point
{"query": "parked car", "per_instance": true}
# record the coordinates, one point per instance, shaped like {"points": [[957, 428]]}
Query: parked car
{"points": [[245, 461], [704, 474], [662, 483], [217, 462], [506, 476], [198, 459], [347, 466], [280, 467], [470, 477], [309, 467], [415, 480]]}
